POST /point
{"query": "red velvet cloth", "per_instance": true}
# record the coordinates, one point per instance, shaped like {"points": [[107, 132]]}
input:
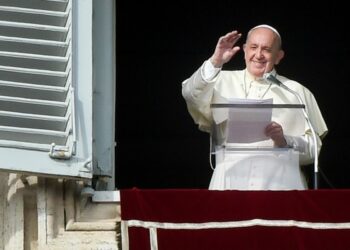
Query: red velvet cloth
{"points": [[200, 206]]}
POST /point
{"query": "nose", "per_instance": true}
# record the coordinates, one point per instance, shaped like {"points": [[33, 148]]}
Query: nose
{"points": [[259, 53]]}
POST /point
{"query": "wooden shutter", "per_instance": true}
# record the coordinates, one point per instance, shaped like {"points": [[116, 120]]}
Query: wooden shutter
{"points": [[45, 123]]}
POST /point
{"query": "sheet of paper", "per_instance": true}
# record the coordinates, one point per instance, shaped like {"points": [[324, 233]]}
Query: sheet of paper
{"points": [[247, 125]]}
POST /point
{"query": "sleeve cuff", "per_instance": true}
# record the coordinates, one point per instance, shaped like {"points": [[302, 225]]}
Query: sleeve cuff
{"points": [[208, 71]]}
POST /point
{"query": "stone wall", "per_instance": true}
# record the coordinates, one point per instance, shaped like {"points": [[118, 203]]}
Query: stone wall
{"points": [[47, 213]]}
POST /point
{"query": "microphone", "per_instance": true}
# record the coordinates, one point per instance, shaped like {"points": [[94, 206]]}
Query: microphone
{"points": [[269, 77]]}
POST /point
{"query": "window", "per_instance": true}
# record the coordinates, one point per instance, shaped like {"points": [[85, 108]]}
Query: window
{"points": [[56, 93]]}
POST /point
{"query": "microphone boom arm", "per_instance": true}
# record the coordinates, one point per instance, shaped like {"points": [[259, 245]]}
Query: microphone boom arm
{"points": [[269, 77]]}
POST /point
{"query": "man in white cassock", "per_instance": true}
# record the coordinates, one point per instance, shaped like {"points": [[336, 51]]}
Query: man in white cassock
{"points": [[256, 170]]}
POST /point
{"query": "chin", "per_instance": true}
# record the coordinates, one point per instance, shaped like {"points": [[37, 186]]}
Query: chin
{"points": [[257, 73]]}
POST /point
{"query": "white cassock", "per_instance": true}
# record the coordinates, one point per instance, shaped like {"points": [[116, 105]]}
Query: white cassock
{"points": [[271, 169]]}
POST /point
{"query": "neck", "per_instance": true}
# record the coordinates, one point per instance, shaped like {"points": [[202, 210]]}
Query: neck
{"points": [[251, 77], [248, 80]]}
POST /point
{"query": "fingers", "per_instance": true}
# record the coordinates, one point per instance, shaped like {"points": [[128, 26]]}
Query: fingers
{"points": [[225, 48], [275, 132], [234, 50], [230, 53], [230, 38], [273, 128]]}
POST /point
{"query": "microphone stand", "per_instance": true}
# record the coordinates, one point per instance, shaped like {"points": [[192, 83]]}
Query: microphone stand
{"points": [[273, 79]]}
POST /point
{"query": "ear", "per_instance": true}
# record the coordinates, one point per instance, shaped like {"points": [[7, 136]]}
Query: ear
{"points": [[244, 47], [280, 55]]}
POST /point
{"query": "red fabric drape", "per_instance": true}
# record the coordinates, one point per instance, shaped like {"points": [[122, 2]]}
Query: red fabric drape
{"points": [[202, 206]]}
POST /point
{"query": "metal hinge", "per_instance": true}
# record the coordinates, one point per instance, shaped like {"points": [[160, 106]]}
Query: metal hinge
{"points": [[60, 152]]}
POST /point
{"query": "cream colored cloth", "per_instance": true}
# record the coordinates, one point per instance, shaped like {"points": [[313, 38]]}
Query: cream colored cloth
{"points": [[200, 94], [257, 170]]}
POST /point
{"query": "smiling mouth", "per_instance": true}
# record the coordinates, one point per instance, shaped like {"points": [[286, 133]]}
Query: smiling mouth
{"points": [[259, 64]]}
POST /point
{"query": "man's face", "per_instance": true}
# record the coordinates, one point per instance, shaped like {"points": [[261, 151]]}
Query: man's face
{"points": [[262, 51]]}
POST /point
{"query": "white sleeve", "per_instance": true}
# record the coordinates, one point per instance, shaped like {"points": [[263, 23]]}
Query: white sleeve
{"points": [[208, 71], [304, 145]]}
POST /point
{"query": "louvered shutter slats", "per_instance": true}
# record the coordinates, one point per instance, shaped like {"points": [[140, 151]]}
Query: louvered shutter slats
{"points": [[35, 74]]}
